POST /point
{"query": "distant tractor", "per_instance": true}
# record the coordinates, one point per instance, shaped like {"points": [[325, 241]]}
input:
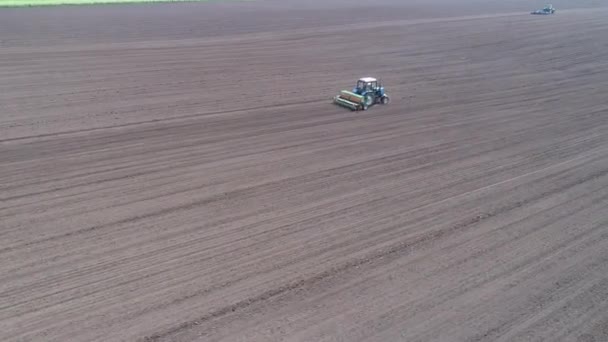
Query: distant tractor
{"points": [[368, 92], [547, 10]]}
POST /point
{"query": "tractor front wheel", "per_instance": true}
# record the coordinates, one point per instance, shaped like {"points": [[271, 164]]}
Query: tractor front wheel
{"points": [[385, 100]]}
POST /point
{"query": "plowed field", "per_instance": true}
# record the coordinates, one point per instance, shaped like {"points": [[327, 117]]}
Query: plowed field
{"points": [[178, 173]]}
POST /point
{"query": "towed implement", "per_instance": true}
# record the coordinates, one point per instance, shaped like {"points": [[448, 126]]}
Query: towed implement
{"points": [[368, 92]]}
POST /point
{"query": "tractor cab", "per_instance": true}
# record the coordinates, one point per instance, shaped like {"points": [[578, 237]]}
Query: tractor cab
{"points": [[366, 85], [548, 9]]}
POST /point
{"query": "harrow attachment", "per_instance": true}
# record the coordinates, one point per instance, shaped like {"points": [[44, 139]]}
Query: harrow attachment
{"points": [[351, 100]]}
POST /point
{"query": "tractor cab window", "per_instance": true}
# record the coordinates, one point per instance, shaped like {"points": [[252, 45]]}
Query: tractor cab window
{"points": [[367, 86]]}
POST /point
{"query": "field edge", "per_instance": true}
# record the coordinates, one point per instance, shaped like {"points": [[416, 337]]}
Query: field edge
{"points": [[55, 3]]}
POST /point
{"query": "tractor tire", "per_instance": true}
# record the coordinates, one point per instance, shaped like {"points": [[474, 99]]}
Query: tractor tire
{"points": [[368, 100], [385, 100]]}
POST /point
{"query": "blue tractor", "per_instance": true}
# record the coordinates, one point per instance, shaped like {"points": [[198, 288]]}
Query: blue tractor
{"points": [[547, 10], [369, 91]]}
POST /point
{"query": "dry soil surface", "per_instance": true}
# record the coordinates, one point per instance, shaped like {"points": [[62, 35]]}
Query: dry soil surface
{"points": [[178, 173]]}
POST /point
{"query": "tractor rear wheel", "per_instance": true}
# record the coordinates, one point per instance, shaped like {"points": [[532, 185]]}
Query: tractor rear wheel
{"points": [[368, 100]]}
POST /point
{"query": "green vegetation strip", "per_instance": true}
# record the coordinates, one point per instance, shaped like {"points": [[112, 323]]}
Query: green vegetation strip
{"points": [[33, 3]]}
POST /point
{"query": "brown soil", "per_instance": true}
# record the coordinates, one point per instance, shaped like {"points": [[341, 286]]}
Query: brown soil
{"points": [[178, 173]]}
